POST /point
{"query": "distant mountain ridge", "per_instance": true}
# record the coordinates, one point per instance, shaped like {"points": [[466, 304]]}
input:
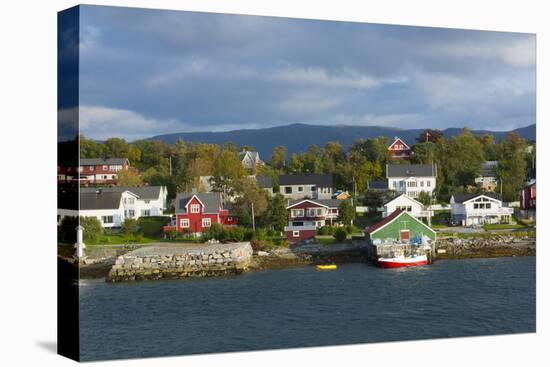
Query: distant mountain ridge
{"points": [[298, 137]]}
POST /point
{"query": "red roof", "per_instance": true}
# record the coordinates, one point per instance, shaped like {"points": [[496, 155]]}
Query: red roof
{"points": [[384, 221]]}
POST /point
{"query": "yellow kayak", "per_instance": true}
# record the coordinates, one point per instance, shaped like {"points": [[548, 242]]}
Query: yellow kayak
{"points": [[326, 267]]}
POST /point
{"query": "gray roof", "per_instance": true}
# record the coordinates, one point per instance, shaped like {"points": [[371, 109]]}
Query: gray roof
{"points": [[489, 169], [253, 155], [144, 192], [377, 185], [460, 198], [331, 203], [211, 200], [264, 182], [105, 200], [102, 161], [319, 180], [411, 170]]}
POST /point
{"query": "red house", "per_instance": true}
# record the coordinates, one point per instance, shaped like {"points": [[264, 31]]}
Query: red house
{"points": [[197, 212], [528, 197], [398, 149], [305, 216]]}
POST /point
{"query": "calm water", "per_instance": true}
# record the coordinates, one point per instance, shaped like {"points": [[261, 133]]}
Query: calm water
{"points": [[301, 307]]}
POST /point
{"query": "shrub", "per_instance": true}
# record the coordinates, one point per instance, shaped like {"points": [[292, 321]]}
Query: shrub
{"points": [[66, 232], [152, 226], [340, 234], [258, 239], [129, 227], [92, 228]]}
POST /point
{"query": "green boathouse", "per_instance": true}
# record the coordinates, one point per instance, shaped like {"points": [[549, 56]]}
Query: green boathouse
{"points": [[399, 226]]}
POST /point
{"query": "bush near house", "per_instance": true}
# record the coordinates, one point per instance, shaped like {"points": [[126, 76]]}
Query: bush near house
{"points": [[340, 234], [152, 226], [92, 228]]}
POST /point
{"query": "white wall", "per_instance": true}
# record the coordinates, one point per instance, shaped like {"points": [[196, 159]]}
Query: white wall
{"points": [[412, 186], [404, 201]]}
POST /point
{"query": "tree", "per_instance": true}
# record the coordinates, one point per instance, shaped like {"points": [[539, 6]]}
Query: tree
{"points": [[278, 158], [90, 148], [463, 158], [227, 170], [425, 198], [134, 155], [296, 164], [429, 135], [346, 213], [249, 194], [425, 153], [512, 167], [116, 147], [374, 149], [276, 215], [92, 228], [128, 178]]}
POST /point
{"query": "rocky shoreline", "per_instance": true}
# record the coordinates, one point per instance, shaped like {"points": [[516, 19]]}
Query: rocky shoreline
{"points": [[165, 262]]}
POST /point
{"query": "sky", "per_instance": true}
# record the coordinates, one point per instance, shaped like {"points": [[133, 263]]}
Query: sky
{"points": [[148, 72]]}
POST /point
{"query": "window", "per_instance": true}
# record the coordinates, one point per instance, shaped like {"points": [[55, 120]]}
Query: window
{"points": [[295, 233], [476, 206], [107, 219], [184, 223], [206, 222], [288, 190], [130, 213], [428, 183], [104, 177], [488, 205], [146, 213], [313, 188], [297, 212], [421, 183], [195, 208], [146, 201], [129, 200], [300, 189], [104, 168], [319, 212], [394, 184], [91, 168]]}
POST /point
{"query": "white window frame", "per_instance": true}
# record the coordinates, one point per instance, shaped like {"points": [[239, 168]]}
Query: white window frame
{"points": [[195, 208], [184, 222], [206, 222], [295, 233], [146, 212]]}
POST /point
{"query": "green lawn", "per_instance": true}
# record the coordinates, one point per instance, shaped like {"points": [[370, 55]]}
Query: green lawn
{"points": [[489, 227], [119, 239], [329, 240]]}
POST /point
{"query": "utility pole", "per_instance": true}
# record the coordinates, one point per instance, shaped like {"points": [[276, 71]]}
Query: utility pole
{"points": [[170, 160], [253, 221]]}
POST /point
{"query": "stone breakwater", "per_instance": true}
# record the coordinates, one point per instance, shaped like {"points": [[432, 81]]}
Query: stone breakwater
{"points": [[478, 247], [181, 261]]}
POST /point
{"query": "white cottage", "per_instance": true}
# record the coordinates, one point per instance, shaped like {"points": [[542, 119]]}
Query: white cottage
{"points": [[479, 209], [112, 205], [406, 204], [411, 179]]}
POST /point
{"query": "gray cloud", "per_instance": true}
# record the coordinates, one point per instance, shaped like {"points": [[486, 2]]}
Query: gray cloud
{"points": [[183, 71]]}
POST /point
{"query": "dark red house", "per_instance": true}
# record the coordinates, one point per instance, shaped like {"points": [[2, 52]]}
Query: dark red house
{"points": [[197, 212], [528, 197], [399, 149], [95, 171], [305, 216]]}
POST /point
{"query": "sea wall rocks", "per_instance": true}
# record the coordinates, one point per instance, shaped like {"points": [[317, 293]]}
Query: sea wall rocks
{"points": [[180, 261], [494, 246]]}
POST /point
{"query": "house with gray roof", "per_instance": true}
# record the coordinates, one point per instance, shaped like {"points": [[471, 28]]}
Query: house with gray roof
{"points": [[487, 178], [112, 205], [94, 171], [411, 179], [476, 209], [301, 186]]}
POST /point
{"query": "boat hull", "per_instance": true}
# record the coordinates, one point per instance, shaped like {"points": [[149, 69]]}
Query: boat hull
{"points": [[401, 263]]}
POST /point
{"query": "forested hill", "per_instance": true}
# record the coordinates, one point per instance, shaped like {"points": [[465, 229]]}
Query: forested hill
{"points": [[298, 137]]}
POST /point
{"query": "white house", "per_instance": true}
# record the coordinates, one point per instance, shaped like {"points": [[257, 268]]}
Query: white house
{"points": [[112, 205], [250, 159], [407, 204], [301, 186], [479, 209], [411, 179]]}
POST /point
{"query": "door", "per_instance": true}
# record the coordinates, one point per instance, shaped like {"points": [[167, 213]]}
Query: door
{"points": [[405, 235]]}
